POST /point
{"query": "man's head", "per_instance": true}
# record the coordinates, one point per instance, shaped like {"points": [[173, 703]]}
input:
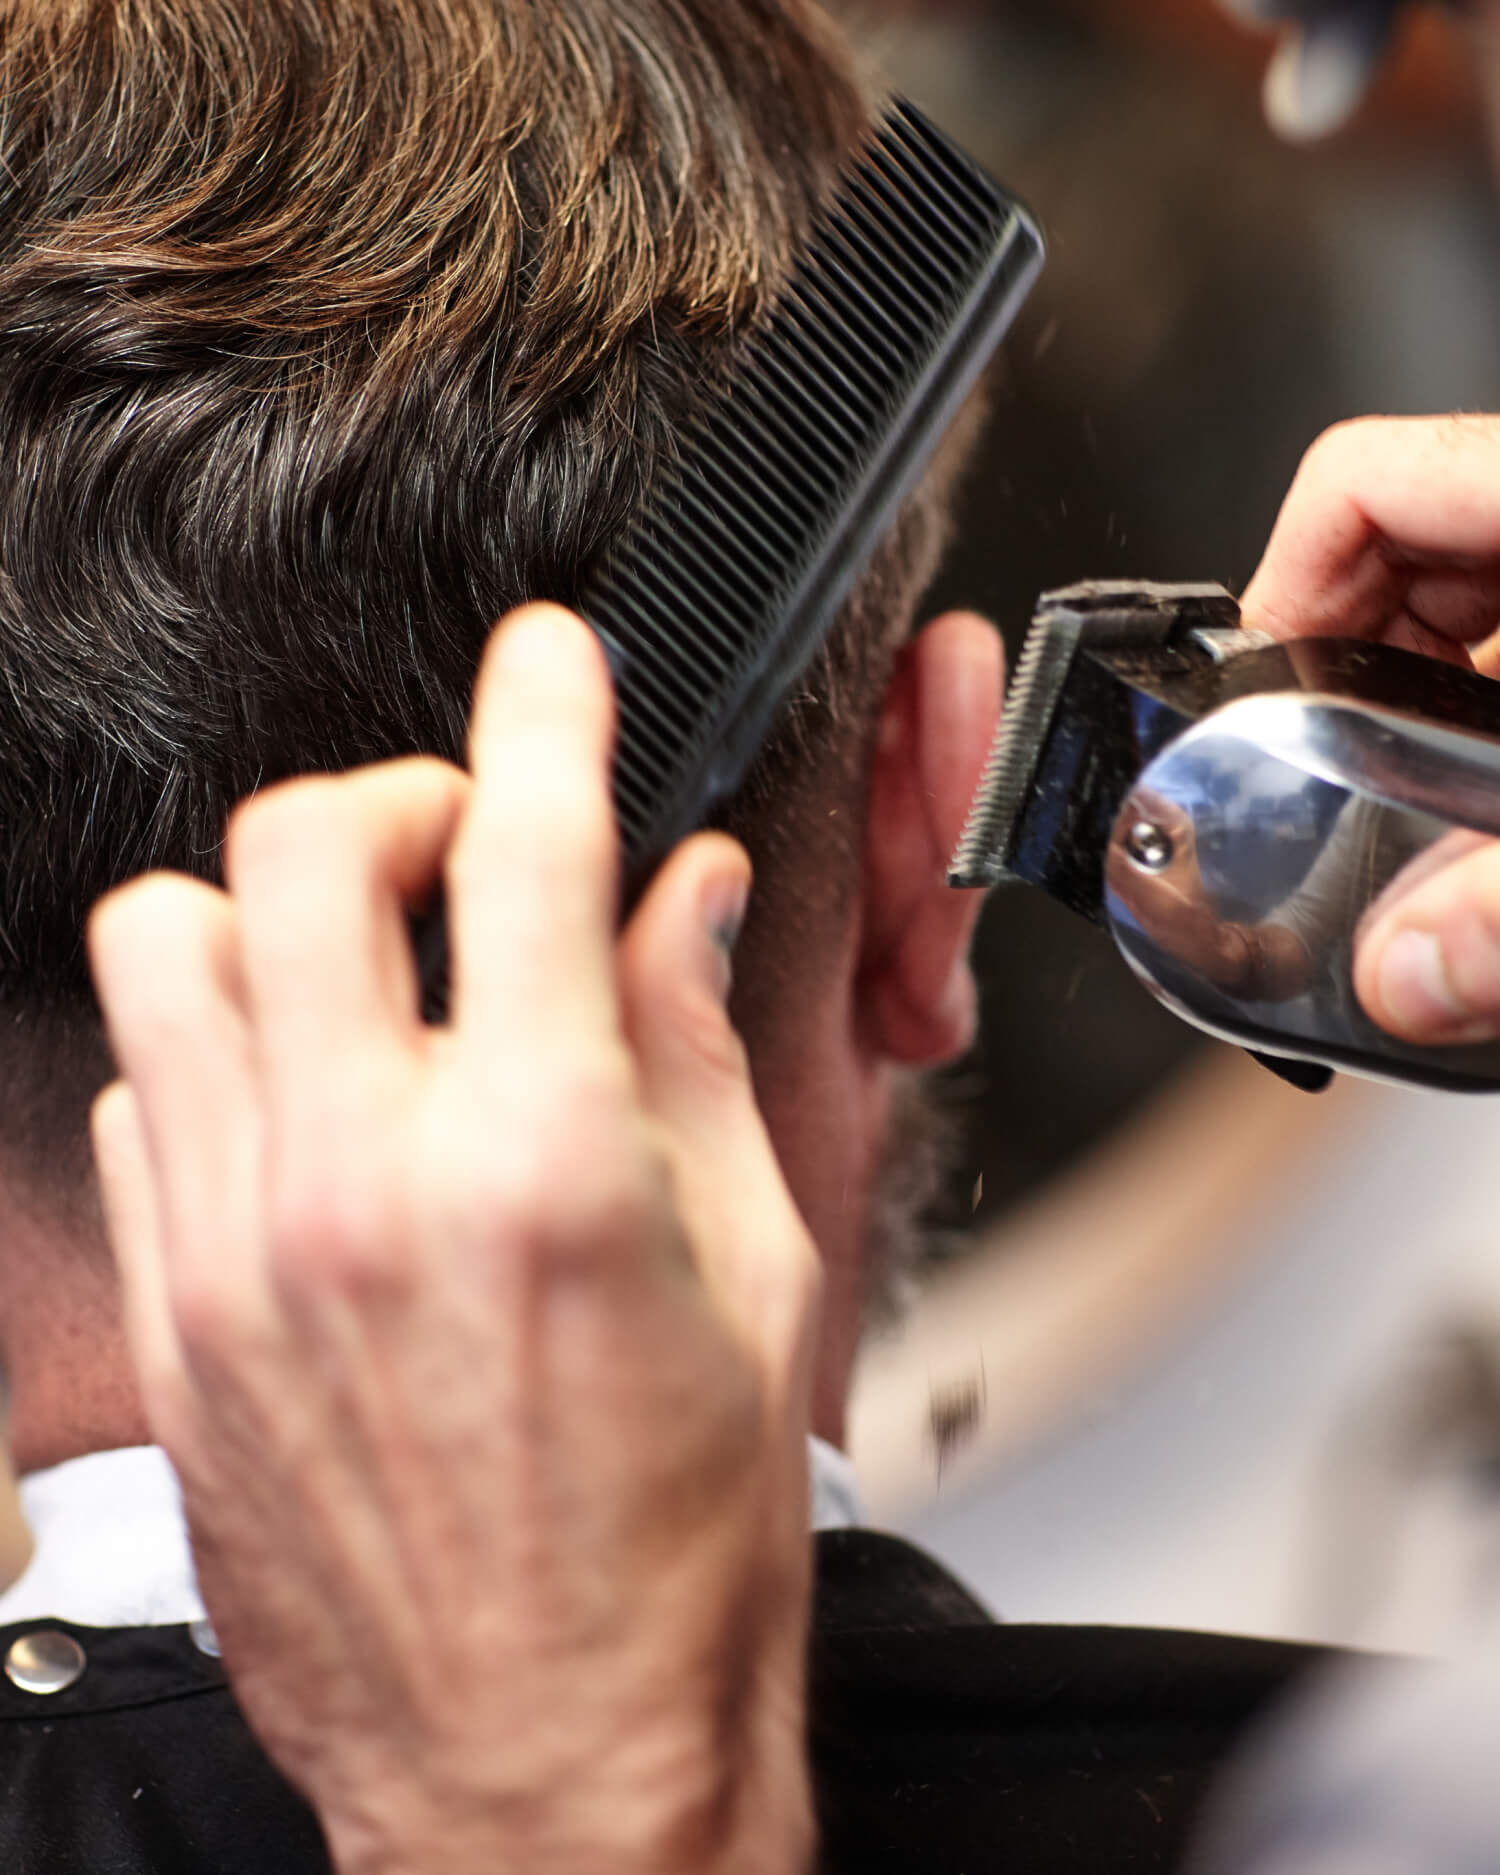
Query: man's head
{"points": [[330, 330]]}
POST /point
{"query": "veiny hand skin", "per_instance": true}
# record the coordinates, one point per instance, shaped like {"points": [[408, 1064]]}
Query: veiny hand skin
{"points": [[482, 1351]]}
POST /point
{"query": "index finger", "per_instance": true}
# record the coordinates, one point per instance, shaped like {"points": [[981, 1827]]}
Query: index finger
{"points": [[532, 873], [1391, 531]]}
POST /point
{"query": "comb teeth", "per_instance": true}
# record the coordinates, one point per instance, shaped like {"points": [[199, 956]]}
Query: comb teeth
{"points": [[721, 591]]}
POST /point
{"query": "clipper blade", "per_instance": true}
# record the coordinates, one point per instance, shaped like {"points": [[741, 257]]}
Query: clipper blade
{"points": [[1031, 700], [1070, 736]]}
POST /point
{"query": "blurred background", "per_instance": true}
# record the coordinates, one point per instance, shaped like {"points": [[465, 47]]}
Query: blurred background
{"points": [[1203, 1351]]}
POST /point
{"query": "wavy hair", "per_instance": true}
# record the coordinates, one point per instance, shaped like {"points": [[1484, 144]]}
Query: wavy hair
{"points": [[330, 330]]}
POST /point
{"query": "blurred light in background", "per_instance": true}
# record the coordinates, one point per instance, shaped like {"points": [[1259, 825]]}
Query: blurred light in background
{"points": [[1213, 1353]]}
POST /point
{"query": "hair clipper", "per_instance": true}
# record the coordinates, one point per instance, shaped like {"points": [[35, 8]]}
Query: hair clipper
{"points": [[1233, 810]]}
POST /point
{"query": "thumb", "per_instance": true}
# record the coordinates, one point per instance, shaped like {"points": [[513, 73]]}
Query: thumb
{"points": [[1429, 969], [752, 1247]]}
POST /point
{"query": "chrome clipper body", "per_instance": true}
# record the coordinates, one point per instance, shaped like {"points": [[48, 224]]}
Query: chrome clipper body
{"points": [[1232, 808]]}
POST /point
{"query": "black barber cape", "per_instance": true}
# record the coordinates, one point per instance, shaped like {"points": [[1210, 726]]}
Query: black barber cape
{"points": [[942, 1743]]}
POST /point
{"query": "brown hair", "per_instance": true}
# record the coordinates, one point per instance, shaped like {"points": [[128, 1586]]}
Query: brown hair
{"points": [[330, 330]]}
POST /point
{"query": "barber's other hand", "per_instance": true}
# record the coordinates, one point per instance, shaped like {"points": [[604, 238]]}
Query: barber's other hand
{"points": [[1391, 532], [1264, 962], [482, 1351]]}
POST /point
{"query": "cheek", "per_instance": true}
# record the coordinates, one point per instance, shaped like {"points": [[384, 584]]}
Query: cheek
{"points": [[794, 968]]}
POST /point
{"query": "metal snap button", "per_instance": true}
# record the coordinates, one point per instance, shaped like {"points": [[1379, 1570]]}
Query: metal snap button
{"points": [[202, 1635], [45, 1662]]}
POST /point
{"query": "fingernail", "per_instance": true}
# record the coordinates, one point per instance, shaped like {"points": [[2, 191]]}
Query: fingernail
{"points": [[1414, 987], [724, 904]]}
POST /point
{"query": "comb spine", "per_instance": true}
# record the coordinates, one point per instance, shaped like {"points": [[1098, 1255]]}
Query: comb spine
{"points": [[879, 335]]}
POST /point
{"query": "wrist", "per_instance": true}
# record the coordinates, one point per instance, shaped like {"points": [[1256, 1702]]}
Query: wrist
{"points": [[697, 1844], [708, 1811]]}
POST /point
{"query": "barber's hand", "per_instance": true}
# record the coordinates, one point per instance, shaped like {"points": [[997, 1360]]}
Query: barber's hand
{"points": [[482, 1351], [1170, 902], [1391, 532]]}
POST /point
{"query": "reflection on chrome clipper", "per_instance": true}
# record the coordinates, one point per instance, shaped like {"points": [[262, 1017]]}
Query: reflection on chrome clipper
{"points": [[1232, 809]]}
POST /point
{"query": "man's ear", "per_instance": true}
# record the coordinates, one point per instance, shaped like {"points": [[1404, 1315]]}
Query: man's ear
{"points": [[939, 721]]}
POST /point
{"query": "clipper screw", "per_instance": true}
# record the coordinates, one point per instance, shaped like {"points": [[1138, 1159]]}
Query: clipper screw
{"points": [[1149, 846]]}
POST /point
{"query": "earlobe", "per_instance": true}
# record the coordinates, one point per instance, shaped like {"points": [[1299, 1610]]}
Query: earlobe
{"points": [[941, 712]]}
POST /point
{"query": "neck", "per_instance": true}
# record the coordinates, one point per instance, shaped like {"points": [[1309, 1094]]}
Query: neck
{"points": [[62, 1338], [826, 1120]]}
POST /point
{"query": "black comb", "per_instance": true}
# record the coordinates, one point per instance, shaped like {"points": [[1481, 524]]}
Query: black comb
{"points": [[721, 590], [720, 593]]}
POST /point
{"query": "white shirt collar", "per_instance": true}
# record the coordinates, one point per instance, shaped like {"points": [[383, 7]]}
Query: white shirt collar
{"points": [[112, 1546], [836, 1501]]}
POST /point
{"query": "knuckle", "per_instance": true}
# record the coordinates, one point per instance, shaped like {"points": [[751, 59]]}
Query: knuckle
{"points": [[1341, 444], [156, 1030], [567, 823], [204, 1309], [588, 1225], [113, 918], [147, 947], [140, 911], [708, 1039], [279, 825], [1322, 452], [332, 1234], [573, 1184], [420, 771]]}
